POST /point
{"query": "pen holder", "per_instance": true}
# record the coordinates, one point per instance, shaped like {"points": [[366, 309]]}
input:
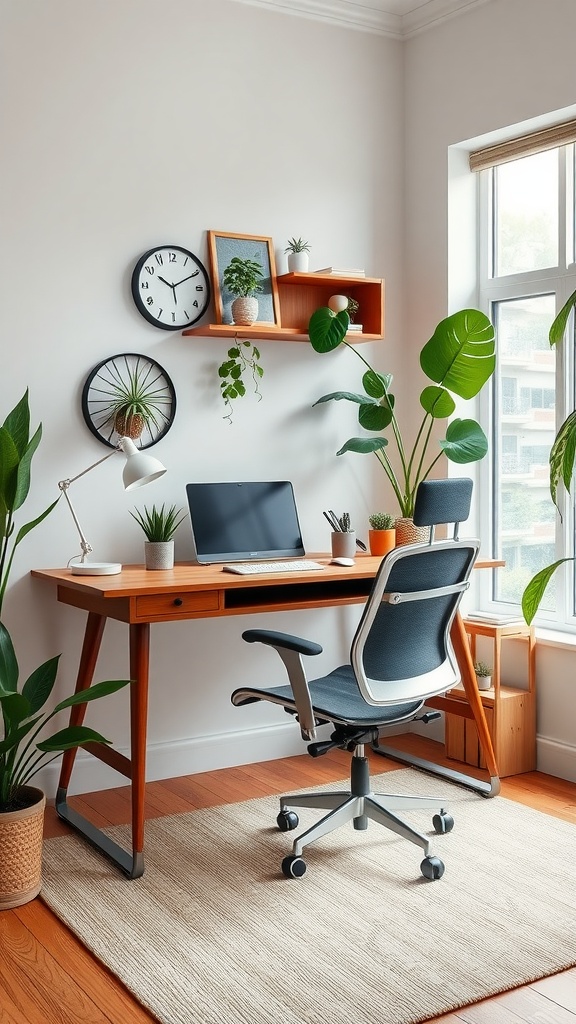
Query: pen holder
{"points": [[344, 545]]}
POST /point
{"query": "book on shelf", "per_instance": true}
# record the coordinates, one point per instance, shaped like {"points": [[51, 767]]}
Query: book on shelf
{"points": [[354, 328], [494, 619], [341, 272]]}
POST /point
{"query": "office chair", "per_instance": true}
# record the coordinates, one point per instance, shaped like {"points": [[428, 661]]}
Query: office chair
{"points": [[401, 654]]}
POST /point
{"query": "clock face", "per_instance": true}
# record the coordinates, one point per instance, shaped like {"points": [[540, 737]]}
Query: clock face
{"points": [[170, 287]]}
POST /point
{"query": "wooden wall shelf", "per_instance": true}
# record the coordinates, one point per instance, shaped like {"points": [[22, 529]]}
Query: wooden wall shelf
{"points": [[299, 296]]}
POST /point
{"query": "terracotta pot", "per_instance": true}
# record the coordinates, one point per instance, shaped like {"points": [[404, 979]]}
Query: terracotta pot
{"points": [[381, 541], [21, 851], [407, 533]]}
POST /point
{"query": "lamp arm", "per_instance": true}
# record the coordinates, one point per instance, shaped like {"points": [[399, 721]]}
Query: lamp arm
{"points": [[64, 485]]}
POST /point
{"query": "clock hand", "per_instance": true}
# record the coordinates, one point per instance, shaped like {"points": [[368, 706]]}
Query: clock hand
{"points": [[195, 274], [173, 287]]}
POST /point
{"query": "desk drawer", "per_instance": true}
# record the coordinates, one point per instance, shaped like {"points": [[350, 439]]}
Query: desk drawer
{"points": [[175, 606]]}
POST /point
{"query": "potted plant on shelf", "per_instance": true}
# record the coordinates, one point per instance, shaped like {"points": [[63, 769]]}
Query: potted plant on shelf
{"points": [[458, 359], [22, 753], [298, 259], [243, 279], [483, 675], [159, 525], [382, 533]]}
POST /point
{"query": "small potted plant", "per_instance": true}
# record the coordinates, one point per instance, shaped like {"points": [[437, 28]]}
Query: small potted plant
{"points": [[159, 525], [483, 675], [243, 279], [297, 250], [382, 534]]}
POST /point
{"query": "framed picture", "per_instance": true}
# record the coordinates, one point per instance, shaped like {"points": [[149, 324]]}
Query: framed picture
{"points": [[223, 246]]}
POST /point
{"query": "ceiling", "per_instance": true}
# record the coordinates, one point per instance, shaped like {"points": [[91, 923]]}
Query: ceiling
{"points": [[396, 18]]}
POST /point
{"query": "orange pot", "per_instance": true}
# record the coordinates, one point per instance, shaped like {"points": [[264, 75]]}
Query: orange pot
{"points": [[381, 541]]}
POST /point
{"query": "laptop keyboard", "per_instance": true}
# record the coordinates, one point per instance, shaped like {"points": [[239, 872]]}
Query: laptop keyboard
{"points": [[253, 568]]}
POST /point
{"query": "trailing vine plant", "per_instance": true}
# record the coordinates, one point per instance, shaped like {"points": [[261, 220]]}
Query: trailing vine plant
{"points": [[243, 358]]}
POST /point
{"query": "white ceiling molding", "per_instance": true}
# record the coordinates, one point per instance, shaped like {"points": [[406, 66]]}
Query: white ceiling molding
{"points": [[398, 19]]}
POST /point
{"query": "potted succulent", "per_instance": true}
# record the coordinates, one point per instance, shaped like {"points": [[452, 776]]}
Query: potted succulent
{"points": [[297, 250], [22, 753], [382, 534], [458, 359], [159, 525], [243, 279], [483, 675]]}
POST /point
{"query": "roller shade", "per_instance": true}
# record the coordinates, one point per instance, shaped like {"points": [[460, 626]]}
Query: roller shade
{"points": [[525, 145]]}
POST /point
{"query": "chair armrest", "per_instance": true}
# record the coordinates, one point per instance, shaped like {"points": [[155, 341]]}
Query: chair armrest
{"points": [[283, 640]]}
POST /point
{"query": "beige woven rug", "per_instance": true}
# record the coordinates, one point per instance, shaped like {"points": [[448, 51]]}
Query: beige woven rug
{"points": [[213, 932]]}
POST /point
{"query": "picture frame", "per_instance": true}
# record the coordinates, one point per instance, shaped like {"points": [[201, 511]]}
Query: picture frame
{"points": [[223, 246]]}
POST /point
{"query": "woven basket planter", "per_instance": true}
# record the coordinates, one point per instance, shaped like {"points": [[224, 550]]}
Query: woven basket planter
{"points": [[21, 852], [407, 533], [245, 310]]}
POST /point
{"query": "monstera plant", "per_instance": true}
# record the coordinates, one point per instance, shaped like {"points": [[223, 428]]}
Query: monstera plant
{"points": [[458, 359], [562, 459]]}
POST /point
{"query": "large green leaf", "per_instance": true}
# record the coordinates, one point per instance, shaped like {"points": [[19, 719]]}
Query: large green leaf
{"points": [[363, 445], [534, 591], [23, 473], [326, 329], [26, 527], [40, 684], [562, 455], [465, 442], [339, 396], [438, 402], [558, 327], [15, 737], [15, 709], [374, 417], [9, 459], [73, 736], [377, 385], [17, 424], [92, 693], [461, 353], [8, 662]]}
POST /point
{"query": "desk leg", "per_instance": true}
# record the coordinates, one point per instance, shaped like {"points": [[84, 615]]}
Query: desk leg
{"points": [[464, 658], [131, 864]]}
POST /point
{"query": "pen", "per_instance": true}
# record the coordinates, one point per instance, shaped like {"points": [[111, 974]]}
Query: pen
{"points": [[334, 520], [326, 516]]}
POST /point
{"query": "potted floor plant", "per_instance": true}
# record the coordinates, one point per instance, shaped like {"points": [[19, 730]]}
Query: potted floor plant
{"points": [[458, 360], [382, 533], [22, 752], [159, 525]]}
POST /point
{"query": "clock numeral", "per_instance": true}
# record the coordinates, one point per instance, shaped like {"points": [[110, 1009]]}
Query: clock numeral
{"points": [[159, 258], [149, 269], [195, 303], [199, 287], [187, 314], [173, 318], [159, 314], [149, 301], [172, 257], [186, 260], [144, 284]]}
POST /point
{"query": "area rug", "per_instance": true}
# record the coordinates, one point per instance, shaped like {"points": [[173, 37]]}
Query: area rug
{"points": [[213, 932]]}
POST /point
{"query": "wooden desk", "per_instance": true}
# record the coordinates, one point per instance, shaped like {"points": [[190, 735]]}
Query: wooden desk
{"points": [[139, 597]]}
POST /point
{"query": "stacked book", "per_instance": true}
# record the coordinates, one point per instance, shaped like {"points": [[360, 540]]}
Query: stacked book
{"points": [[354, 328], [494, 619], [341, 272]]}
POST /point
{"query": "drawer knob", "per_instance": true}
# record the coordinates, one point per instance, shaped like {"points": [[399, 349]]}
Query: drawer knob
{"points": [[177, 601]]}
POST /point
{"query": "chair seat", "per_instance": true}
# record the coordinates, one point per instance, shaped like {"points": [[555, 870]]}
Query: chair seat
{"points": [[337, 698]]}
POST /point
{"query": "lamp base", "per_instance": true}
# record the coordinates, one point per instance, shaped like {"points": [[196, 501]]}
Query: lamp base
{"points": [[95, 568]]}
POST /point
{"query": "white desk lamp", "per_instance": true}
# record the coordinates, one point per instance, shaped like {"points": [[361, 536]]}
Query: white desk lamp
{"points": [[139, 469]]}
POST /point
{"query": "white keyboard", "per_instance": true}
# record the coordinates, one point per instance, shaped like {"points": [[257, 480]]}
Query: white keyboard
{"points": [[253, 568]]}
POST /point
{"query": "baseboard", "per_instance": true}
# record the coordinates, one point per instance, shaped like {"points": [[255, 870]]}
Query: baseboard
{"points": [[554, 758], [185, 757]]}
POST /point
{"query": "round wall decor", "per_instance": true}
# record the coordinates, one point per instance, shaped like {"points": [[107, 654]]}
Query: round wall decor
{"points": [[129, 395], [170, 287]]}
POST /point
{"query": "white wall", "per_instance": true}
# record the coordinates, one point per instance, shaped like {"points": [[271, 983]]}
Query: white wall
{"points": [[505, 62], [130, 123]]}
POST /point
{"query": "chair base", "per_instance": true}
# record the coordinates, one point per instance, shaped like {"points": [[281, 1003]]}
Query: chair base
{"points": [[360, 804]]}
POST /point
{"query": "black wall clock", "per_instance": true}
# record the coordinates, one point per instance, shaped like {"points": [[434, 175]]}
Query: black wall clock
{"points": [[129, 395], [170, 287]]}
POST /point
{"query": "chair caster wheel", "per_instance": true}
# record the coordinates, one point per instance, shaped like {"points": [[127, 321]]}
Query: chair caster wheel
{"points": [[287, 820], [443, 822], [432, 868], [293, 867]]}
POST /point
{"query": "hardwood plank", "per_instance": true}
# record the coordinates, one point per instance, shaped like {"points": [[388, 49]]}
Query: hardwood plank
{"points": [[522, 1004], [559, 988]]}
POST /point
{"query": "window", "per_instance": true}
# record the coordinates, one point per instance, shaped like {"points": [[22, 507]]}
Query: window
{"points": [[527, 272]]}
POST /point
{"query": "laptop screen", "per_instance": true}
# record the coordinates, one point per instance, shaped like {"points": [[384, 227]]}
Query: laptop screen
{"points": [[243, 521]]}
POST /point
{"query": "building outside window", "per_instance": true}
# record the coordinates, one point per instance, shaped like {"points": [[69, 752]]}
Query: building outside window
{"points": [[527, 272]]}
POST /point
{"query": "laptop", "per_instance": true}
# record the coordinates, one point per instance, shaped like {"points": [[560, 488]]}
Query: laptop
{"points": [[244, 521]]}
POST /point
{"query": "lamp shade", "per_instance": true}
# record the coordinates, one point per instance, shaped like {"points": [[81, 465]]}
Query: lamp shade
{"points": [[140, 468]]}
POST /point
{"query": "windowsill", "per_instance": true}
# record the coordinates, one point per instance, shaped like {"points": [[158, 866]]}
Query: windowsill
{"points": [[555, 638]]}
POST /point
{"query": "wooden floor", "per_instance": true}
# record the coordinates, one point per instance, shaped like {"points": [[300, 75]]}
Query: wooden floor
{"points": [[48, 977]]}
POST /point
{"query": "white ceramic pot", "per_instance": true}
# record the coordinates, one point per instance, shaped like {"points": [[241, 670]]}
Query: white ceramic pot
{"points": [[484, 682], [343, 544], [298, 262]]}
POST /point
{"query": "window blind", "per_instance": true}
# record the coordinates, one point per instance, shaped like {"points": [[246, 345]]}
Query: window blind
{"points": [[524, 145]]}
